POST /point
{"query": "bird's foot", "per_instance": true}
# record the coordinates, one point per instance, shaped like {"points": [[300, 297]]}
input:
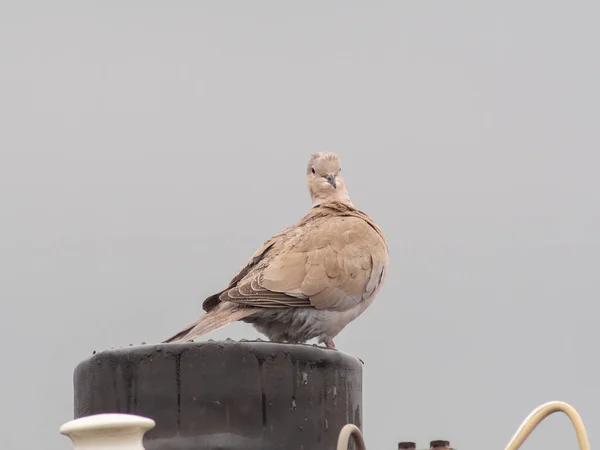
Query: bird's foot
{"points": [[330, 344]]}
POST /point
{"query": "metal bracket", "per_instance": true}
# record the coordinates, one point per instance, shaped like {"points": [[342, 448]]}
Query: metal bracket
{"points": [[522, 433]]}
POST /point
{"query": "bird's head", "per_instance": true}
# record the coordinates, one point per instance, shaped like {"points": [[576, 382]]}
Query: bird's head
{"points": [[324, 180]]}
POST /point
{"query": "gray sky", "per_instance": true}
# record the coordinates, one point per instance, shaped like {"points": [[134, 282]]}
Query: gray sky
{"points": [[147, 149]]}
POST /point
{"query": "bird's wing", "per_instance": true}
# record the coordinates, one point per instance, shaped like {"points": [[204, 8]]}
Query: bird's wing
{"points": [[245, 274], [328, 261]]}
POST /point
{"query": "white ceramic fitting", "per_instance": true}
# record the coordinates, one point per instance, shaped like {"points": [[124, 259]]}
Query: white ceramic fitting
{"points": [[108, 432]]}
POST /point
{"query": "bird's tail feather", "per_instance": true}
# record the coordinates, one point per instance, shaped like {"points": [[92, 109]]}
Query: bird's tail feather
{"points": [[217, 318]]}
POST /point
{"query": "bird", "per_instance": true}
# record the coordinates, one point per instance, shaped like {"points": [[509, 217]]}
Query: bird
{"points": [[310, 280]]}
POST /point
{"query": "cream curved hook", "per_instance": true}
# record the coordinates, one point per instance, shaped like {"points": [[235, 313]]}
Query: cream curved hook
{"points": [[350, 430], [539, 414]]}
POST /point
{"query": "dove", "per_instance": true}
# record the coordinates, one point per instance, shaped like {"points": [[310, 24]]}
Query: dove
{"points": [[313, 278]]}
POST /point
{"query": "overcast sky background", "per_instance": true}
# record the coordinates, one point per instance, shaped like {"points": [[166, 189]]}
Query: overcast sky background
{"points": [[148, 148]]}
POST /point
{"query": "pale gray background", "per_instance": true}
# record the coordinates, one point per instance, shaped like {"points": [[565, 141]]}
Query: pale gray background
{"points": [[148, 148]]}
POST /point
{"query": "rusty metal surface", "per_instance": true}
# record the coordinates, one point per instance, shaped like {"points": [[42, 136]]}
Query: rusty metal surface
{"points": [[226, 395]]}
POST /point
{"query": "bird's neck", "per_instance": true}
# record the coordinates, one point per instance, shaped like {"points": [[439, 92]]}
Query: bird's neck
{"points": [[339, 195]]}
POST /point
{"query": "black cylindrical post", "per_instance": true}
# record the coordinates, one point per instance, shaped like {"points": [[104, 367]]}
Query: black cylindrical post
{"points": [[226, 395]]}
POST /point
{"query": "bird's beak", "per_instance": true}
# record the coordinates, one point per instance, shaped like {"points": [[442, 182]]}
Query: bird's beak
{"points": [[331, 180]]}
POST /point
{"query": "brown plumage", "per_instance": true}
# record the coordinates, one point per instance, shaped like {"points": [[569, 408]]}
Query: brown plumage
{"points": [[313, 278]]}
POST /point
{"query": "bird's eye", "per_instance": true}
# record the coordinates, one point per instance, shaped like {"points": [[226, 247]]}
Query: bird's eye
{"points": [[313, 170], [339, 171]]}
